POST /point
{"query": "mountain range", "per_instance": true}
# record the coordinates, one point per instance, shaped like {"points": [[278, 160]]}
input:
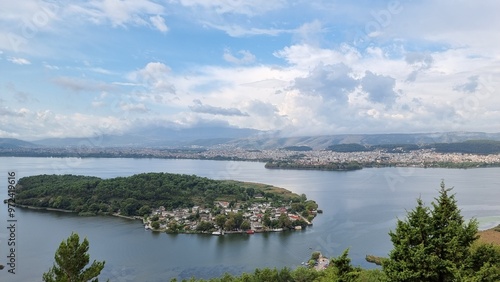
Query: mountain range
{"points": [[226, 137]]}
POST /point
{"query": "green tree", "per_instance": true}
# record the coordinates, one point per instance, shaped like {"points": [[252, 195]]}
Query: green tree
{"points": [[229, 225], [220, 220], [155, 225], [432, 244], [245, 225], [344, 270], [315, 255], [71, 259]]}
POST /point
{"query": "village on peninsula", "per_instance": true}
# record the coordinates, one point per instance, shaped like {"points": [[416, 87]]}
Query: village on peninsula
{"points": [[226, 218]]}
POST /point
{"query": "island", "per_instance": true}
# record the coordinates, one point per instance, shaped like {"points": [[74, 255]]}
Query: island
{"points": [[173, 203]]}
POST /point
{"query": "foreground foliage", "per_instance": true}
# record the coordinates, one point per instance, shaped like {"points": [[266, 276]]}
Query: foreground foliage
{"points": [[71, 259], [434, 244], [339, 270]]}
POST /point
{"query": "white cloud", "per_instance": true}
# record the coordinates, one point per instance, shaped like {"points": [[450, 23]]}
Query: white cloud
{"points": [[122, 12], [245, 58], [155, 76], [19, 61], [159, 23], [129, 107], [199, 107], [242, 7]]}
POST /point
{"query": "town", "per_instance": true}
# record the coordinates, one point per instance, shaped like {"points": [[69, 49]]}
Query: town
{"points": [[414, 158], [228, 218]]}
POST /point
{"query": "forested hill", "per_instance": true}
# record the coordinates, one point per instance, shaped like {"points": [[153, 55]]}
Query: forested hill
{"points": [[137, 194]]}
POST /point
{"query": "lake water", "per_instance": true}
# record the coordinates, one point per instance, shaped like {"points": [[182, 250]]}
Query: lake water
{"points": [[360, 207]]}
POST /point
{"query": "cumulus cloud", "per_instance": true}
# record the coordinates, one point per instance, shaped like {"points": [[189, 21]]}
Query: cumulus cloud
{"points": [[470, 86], [245, 57], [380, 88], [199, 107], [419, 62], [155, 76], [329, 81]]}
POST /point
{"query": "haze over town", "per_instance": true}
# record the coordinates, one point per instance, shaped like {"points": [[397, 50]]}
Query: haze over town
{"points": [[81, 68]]}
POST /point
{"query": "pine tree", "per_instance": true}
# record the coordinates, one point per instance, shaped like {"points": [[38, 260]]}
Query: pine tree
{"points": [[71, 258], [431, 245], [344, 269]]}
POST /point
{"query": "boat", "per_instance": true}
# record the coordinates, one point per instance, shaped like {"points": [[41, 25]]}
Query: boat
{"points": [[218, 233], [250, 232]]}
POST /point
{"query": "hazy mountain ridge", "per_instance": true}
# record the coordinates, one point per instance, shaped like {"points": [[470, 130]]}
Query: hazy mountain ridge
{"points": [[15, 143], [322, 142], [220, 137]]}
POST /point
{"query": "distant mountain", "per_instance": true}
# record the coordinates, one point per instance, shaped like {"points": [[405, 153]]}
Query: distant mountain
{"points": [[228, 137], [322, 142], [157, 137], [15, 143]]}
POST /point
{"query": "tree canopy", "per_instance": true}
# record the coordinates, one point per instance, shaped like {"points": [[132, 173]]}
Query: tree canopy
{"points": [[71, 258], [434, 244], [137, 194]]}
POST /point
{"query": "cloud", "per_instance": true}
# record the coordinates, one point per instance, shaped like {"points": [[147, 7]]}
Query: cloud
{"points": [[18, 61], [236, 30], [380, 88], [19, 96], [159, 23], [419, 62], [121, 12], [239, 7], [138, 107], [310, 33], [199, 107], [155, 76], [246, 57], [329, 81], [262, 108], [5, 112], [470, 86], [81, 85]]}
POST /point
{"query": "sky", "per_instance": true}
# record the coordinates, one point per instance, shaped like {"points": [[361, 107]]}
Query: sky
{"points": [[304, 67]]}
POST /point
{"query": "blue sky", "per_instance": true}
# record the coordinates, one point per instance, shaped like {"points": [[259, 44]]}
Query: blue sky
{"points": [[81, 68]]}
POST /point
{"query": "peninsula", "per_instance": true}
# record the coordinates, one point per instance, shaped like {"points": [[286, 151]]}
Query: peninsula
{"points": [[174, 203]]}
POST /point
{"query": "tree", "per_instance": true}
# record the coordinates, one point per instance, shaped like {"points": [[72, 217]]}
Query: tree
{"points": [[220, 220], [229, 225], [245, 225], [432, 244], [345, 271], [71, 258], [155, 225]]}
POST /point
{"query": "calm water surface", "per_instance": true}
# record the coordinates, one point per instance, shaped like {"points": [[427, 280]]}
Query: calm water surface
{"points": [[360, 207]]}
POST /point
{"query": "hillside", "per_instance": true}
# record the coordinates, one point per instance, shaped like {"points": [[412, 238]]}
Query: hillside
{"points": [[6, 143], [137, 194]]}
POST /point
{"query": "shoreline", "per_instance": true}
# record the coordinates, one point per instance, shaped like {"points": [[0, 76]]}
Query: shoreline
{"points": [[74, 212]]}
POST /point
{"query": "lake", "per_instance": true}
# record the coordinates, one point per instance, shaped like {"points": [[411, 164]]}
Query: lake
{"points": [[360, 207]]}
